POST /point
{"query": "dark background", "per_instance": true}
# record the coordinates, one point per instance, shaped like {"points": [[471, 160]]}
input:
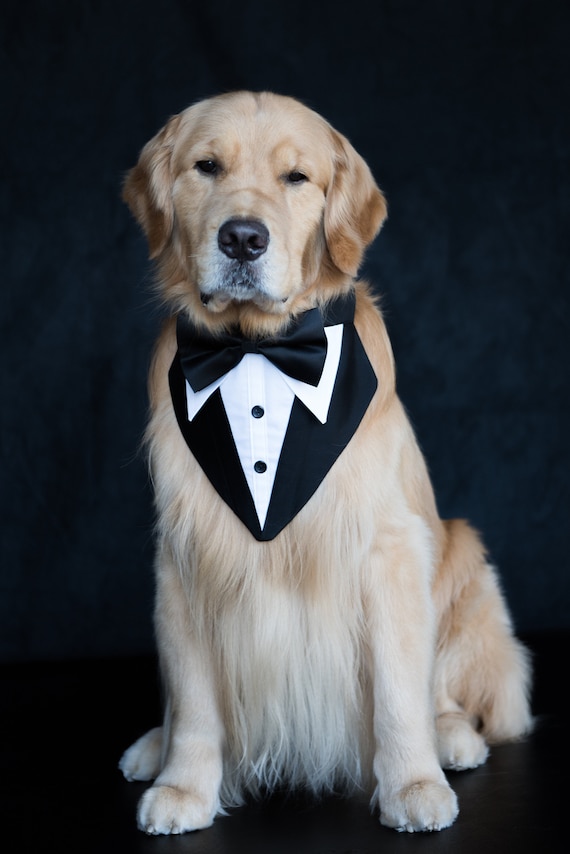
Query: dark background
{"points": [[462, 110]]}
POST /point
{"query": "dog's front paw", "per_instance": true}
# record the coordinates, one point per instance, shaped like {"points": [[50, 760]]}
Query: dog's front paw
{"points": [[142, 760], [422, 806], [169, 810]]}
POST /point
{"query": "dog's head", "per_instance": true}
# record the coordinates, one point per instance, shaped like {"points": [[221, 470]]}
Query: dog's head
{"points": [[253, 206]]}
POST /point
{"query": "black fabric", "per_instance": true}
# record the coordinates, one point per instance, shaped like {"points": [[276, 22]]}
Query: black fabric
{"points": [[309, 449], [461, 110]]}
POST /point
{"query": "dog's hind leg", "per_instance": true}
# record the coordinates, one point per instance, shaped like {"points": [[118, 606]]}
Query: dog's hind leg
{"points": [[482, 672]]}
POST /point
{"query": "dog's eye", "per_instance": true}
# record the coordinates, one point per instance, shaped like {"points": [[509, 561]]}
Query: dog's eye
{"points": [[209, 167], [296, 177]]}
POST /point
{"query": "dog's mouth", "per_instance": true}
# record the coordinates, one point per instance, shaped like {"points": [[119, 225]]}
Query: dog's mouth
{"points": [[220, 300], [240, 283]]}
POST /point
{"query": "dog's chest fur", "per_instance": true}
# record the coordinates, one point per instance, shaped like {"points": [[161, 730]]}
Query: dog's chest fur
{"points": [[291, 671]]}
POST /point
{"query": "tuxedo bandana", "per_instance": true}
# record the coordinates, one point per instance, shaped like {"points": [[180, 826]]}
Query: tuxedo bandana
{"points": [[318, 398]]}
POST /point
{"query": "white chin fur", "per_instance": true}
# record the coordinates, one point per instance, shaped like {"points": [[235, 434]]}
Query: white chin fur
{"points": [[217, 302]]}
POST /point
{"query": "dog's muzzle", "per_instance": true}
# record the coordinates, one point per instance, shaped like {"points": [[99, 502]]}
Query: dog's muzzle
{"points": [[242, 242]]}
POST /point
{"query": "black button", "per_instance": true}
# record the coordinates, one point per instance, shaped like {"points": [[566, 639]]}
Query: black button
{"points": [[258, 411], [260, 466]]}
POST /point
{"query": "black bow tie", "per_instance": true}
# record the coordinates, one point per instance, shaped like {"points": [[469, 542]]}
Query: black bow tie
{"points": [[299, 352]]}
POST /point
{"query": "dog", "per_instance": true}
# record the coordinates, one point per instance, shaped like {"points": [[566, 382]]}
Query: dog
{"points": [[318, 626]]}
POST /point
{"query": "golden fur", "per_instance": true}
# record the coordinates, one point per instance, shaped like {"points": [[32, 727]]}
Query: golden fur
{"points": [[368, 645]]}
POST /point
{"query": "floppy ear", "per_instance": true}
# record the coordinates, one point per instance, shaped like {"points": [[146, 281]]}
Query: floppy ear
{"points": [[148, 185], [355, 208]]}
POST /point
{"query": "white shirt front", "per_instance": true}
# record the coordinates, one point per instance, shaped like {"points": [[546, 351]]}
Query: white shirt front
{"points": [[258, 399]]}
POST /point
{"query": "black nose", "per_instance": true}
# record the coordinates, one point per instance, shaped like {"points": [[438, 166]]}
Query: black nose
{"points": [[243, 239]]}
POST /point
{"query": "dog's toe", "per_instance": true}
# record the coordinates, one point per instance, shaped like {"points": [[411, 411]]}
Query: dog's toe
{"points": [[167, 810], [142, 759], [459, 746], [423, 806]]}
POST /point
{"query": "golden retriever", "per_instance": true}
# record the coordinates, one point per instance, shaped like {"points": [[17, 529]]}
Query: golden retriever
{"points": [[324, 631]]}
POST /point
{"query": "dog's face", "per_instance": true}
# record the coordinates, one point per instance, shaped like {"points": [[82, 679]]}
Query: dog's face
{"points": [[250, 203]]}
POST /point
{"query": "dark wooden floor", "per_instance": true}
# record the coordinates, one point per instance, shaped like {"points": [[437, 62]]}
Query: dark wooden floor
{"points": [[68, 723]]}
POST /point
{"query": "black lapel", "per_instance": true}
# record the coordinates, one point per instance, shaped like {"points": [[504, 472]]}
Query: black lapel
{"points": [[311, 448], [210, 439]]}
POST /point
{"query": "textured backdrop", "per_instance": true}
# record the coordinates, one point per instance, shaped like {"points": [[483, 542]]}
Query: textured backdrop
{"points": [[461, 109]]}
